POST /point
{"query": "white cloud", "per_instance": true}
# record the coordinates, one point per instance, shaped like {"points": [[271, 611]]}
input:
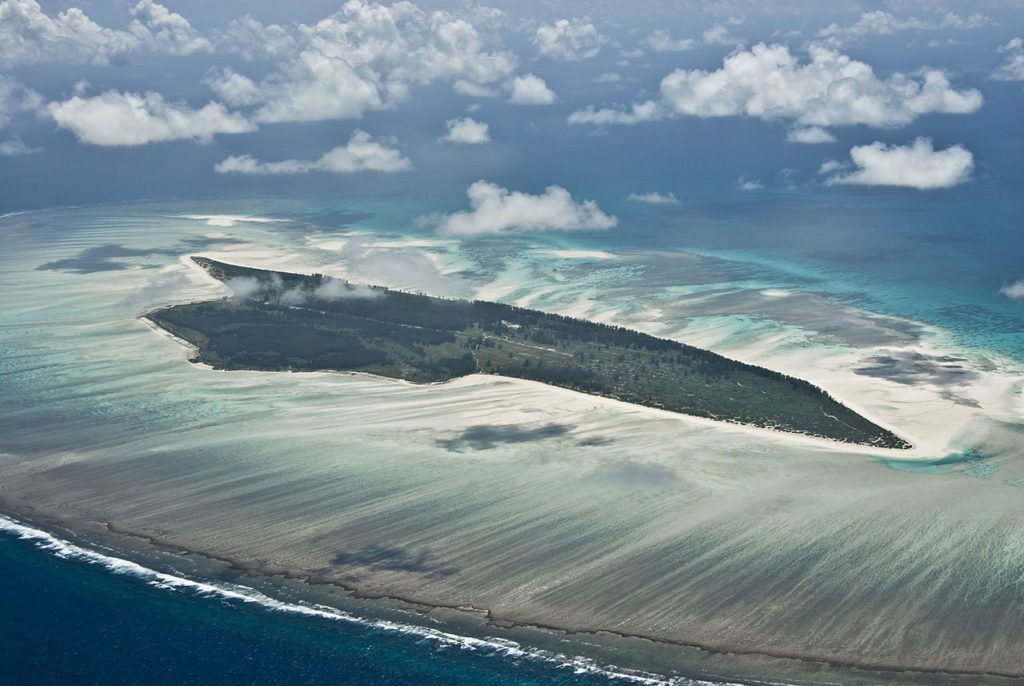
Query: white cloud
{"points": [[314, 87], [916, 165], [292, 297], [1012, 68], [251, 39], [499, 210], [661, 40], [16, 98], [608, 77], [529, 90], [955, 21], [28, 35], [367, 57], [166, 31], [115, 118], [639, 112], [877, 23], [881, 23], [945, 43], [719, 35], [654, 198], [1015, 290], [473, 90], [16, 147], [362, 153], [245, 287], [809, 135], [336, 289], [466, 130], [569, 39], [233, 88], [405, 268], [745, 184], [769, 83]]}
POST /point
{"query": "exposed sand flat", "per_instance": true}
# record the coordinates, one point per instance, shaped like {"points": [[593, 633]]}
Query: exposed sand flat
{"points": [[538, 504]]}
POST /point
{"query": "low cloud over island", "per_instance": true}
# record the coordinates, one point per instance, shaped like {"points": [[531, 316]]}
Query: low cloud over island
{"points": [[499, 210]]}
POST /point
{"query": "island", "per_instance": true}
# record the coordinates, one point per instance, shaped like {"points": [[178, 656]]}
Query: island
{"points": [[280, 321]]}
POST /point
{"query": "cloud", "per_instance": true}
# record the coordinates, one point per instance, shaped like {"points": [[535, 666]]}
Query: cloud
{"points": [[15, 99], [336, 289], [233, 88], [405, 268], [365, 57], [251, 39], [569, 39], [1012, 68], [498, 210], [654, 198], [745, 184], [916, 165], [467, 131], [362, 153], [608, 77], [272, 288], [16, 147], [245, 287], [881, 23], [315, 87], [661, 40], [530, 90], [719, 35], [809, 135], [769, 83], [1015, 290], [115, 118], [877, 23], [28, 35], [166, 31], [639, 112], [473, 90], [292, 297]]}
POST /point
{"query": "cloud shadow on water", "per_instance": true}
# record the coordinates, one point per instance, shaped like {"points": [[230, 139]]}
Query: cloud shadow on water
{"points": [[631, 474], [112, 257], [487, 436], [393, 559]]}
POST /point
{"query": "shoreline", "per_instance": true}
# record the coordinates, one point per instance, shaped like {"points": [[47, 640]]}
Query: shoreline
{"points": [[108, 533]]}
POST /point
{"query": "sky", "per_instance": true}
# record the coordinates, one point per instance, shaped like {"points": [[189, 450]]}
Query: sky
{"points": [[485, 108]]}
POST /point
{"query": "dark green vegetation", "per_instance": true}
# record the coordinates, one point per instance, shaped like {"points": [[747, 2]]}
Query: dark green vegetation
{"points": [[282, 321]]}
